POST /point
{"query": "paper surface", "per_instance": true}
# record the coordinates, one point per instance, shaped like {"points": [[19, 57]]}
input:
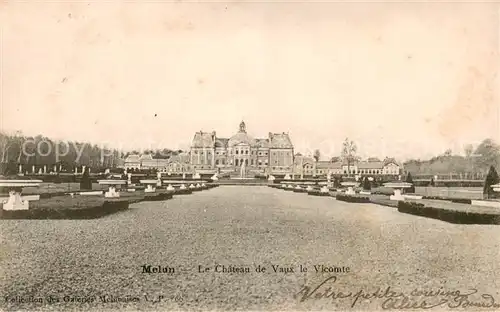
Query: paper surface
{"points": [[329, 99]]}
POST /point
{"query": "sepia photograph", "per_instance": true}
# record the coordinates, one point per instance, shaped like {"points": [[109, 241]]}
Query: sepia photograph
{"points": [[249, 155]]}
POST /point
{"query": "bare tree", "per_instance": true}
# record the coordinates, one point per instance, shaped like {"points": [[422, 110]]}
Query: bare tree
{"points": [[468, 150], [317, 155], [349, 150]]}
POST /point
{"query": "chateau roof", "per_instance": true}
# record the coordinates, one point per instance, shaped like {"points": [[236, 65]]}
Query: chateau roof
{"points": [[132, 158], [241, 137], [389, 161], [262, 142], [221, 142], [203, 139], [323, 164], [146, 156], [370, 165], [280, 140], [154, 162]]}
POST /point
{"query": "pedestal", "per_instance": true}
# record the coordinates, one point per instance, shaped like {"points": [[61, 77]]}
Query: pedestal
{"points": [[397, 195], [350, 191], [149, 189], [112, 193], [183, 187], [15, 202], [170, 188]]}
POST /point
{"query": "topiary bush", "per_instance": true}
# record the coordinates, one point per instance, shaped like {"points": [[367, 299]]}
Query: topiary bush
{"points": [[367, 186], [491, 179], [409, 179]]}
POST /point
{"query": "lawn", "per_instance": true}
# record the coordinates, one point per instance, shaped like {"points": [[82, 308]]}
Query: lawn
{"points": [[67, 207]]}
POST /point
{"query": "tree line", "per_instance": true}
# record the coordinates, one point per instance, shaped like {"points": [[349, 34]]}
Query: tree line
{"points": [[41, 151], [475, 160]]}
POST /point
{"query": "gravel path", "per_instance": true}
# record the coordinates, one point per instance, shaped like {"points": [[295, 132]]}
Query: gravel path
{"points": [[242, 227]]}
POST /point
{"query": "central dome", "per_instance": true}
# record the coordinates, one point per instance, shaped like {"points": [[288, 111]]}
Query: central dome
{"points": [[241, 137]]}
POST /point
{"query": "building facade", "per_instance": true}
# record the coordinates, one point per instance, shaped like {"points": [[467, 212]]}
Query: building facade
{"points": [[307, 166], [272, 155]]}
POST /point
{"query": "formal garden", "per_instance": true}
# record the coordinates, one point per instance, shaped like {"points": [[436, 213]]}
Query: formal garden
{"points": [[463, 205]]}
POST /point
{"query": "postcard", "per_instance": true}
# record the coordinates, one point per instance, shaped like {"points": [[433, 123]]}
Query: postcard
{"points": [[249, 156]]}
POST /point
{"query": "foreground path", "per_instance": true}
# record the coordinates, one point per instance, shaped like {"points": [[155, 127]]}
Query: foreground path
{"points": [[243, 227]]}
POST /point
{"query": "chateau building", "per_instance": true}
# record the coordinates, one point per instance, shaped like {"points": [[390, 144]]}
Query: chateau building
{"points": [[309, 167], [272, 155], [256, 156]]}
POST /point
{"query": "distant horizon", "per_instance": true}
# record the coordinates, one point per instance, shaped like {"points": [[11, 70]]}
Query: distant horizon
{"points": [[403, 80], [309, 153]]}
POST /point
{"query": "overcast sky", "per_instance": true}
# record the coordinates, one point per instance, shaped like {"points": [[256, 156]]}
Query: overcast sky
{"points": [[402, 80]]}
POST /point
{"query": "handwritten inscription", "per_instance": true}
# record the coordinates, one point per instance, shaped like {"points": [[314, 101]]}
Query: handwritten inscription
{"points": [[392, 299]]}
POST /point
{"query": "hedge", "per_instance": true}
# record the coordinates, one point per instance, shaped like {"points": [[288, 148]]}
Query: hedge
{"points": [[91, 212], [317, 193], [452, 216], [352, 199]]}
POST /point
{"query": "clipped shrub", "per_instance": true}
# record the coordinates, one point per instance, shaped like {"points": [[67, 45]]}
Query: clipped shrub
{"points": [[491, 179], [452, 216], [367, 184], [461, 200], [409, 179], [317, 193], [352, 199], [86, 183]]}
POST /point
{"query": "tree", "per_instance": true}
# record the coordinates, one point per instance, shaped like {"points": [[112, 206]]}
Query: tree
{"points": [[335, 159], [488, 154], [367, 184], [447, 153], [409, 179], [432, 183], [86, 183], [468, 150], [491, 179], [317, 155], [349, 150]]}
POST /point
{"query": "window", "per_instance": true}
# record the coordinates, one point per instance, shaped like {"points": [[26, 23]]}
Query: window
{"points": [[236, 152], [236, 162]]}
